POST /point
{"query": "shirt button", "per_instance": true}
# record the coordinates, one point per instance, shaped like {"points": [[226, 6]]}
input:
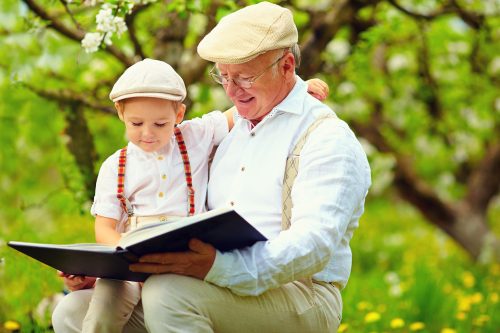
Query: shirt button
{"points": [[252, 134], [232, 203], [164, 176], [160, 194], [160, 158], [242, 168]]}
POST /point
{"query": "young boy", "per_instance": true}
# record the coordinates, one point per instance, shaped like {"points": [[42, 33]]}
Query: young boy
{"points": [[162, 173]]}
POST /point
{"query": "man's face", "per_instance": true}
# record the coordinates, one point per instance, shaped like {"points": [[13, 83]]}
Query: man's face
{"points": [[149, 122], [270, 87]]}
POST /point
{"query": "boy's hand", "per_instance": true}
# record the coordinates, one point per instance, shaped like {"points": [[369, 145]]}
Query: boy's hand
{"points": [[77, 282], [318, 88]]}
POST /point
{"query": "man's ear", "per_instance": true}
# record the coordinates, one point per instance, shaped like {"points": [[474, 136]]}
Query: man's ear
{"points": [[119, 110], [181, 109], [289, 64]]}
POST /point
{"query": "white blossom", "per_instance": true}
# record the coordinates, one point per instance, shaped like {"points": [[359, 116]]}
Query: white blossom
{"points": [[458, 47], [90, 3], [339, 49], [346, 88], [104, 19], [398, 62], [119, 24], [391, 278], [91, 41], [494, 66]]}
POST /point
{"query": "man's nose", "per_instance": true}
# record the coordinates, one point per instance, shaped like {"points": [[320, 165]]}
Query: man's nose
{"points": [[231, 88]]}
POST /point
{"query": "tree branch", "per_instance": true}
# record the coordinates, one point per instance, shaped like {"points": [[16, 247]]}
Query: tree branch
{"points": [[445, 9], [429, 92], [484, 181], [324, 26], [68, 97], [407, 182], [129, 21], [474, 20], [73, 34]]}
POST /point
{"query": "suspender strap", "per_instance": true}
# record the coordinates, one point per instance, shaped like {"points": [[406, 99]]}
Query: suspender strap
{"points": [[291, 170], [187, 168], [122, 162]]}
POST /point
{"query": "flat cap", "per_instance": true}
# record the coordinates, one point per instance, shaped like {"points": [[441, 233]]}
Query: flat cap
{"points": [[245, 34], [149, 78]]}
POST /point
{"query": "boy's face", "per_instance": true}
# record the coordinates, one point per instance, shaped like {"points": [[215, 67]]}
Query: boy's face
{"points": [[149, 121]]}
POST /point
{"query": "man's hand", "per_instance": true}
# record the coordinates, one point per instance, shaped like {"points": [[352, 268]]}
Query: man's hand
{"points": [[196, 262], [77, 282]]}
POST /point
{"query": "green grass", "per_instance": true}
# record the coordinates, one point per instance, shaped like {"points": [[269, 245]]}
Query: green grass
{"points": [[405, 274]]}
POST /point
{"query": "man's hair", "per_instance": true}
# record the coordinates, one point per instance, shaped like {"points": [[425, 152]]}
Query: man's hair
{"points": [[295, 50]]}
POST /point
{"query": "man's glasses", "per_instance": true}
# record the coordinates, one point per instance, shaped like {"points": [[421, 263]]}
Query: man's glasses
{"points": [[242, 83]]}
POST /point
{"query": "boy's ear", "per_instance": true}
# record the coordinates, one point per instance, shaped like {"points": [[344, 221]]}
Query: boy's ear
{"points": [[180, 113], [119, 110]]}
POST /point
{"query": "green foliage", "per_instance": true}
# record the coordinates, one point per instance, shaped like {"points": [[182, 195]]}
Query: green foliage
{"points": [[404, 269]]}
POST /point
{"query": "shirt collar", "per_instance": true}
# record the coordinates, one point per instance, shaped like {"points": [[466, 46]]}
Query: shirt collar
{"points": [[291, 104]]}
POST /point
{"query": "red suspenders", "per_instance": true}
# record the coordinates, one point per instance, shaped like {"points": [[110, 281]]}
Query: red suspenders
{"points": [[122, 161]]}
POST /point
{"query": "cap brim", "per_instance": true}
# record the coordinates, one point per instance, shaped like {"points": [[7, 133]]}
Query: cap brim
{"points": [[175, 98]]}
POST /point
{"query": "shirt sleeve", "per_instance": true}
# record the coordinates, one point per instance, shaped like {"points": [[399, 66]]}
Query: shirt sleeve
{"points": [[212, 126], [106, 203], [330, 188]]}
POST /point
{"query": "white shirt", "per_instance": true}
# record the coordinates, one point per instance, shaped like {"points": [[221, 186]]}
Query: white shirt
{"points": [[155, 182], [328, 196]]}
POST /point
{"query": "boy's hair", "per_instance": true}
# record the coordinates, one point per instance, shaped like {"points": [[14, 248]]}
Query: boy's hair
{"points": [[149, 78]]}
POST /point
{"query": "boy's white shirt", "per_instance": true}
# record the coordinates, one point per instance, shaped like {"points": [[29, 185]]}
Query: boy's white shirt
{"points": [[155, 183]]}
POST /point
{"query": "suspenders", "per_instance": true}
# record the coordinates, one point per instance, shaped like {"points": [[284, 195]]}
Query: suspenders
{"points": [[122, 161]]}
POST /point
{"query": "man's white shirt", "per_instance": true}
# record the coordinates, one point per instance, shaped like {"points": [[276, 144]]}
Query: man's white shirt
{"points": [[328, 196]]}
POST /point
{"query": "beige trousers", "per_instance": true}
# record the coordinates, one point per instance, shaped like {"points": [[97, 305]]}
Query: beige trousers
{"points": [[111, 306], [175, 303], [70, 312]]}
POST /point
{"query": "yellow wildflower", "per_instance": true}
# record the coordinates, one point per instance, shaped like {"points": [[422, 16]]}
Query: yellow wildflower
{"points": [[464, 304], [461, 316], [448, 330], [363, 306], [342, 328], [417, 326], [481, 320], [476, 298], [468, 279], [494, 298], [372, 317], [11, 325], [397, 323]]}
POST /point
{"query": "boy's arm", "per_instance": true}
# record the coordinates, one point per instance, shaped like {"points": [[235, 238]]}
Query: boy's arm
{"points": [[105, 230]]}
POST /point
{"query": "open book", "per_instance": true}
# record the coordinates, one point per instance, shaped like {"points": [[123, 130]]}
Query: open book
{"points": [[223, 228]]}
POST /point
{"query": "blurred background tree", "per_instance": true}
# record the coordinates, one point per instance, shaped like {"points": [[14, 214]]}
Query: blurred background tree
{"points": [[417, 80]]}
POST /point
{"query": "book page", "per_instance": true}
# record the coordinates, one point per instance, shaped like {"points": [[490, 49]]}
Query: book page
{"points": [[153, 229]]}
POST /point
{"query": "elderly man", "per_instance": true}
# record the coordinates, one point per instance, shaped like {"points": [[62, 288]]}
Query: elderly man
{"points": [[292, 282]]}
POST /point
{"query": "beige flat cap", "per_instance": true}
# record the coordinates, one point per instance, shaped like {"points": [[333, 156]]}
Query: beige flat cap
{"points": [[149, 78], [243, 35]]}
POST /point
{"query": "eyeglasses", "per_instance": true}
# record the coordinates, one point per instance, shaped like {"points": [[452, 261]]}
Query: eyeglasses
{"points": [[242, 83]]}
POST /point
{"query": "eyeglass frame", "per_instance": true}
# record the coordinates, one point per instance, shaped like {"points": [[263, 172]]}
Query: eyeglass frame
{"points": [[220, 79]]}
